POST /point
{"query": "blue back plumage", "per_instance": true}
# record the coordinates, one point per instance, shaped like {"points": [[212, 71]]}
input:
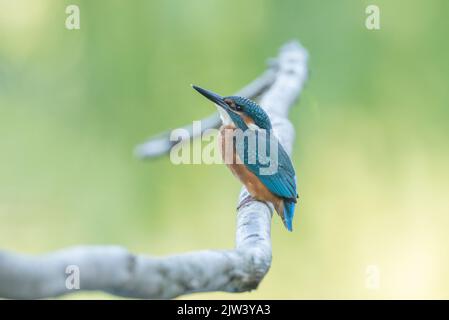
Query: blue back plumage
{"points": [[256, 157]]}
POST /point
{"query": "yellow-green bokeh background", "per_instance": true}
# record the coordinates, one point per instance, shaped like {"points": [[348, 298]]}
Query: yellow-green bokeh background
{"points": [[371, 151]]}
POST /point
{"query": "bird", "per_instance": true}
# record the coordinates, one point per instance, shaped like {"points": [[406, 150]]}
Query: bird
{"points": [[276, 186]]}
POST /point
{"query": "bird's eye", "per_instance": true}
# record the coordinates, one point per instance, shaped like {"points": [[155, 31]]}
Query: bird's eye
{"points": [[234, 106]]}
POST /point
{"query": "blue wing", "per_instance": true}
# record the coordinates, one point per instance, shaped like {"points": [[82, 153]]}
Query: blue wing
{"points": [[281, 179], [283, 182]]}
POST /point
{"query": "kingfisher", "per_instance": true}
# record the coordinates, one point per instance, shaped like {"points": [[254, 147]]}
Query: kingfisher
{"points": [[278, 186]]}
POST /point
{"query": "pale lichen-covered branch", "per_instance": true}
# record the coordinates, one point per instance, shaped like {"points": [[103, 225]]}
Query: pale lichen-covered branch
{"points": [[115, 270]]}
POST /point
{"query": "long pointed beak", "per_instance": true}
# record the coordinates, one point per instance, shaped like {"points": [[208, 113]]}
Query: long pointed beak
{"points": [[212, 96]]}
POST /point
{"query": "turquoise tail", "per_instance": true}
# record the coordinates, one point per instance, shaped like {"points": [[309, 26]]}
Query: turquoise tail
{"points": [[289, 211]]}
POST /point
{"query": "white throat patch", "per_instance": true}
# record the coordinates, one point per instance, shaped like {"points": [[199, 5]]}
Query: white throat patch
{"points": [[225, 118]]}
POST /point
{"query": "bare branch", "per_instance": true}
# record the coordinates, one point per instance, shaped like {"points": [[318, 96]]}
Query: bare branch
{"points": [[115, 270], [161, 143]]}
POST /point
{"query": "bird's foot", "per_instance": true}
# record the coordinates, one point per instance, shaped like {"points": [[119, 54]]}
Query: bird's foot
{"points": [[248, 199], [245, 201]]}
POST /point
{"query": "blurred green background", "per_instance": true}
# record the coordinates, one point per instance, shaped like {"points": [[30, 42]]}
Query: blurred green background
{"points": [[371, 151]]}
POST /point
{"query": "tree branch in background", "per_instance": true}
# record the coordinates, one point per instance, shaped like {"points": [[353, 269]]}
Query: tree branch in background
{"points": [[161, 143]]}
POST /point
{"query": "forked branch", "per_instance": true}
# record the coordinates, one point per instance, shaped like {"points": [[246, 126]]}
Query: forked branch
{"points": [[115, 270]]}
